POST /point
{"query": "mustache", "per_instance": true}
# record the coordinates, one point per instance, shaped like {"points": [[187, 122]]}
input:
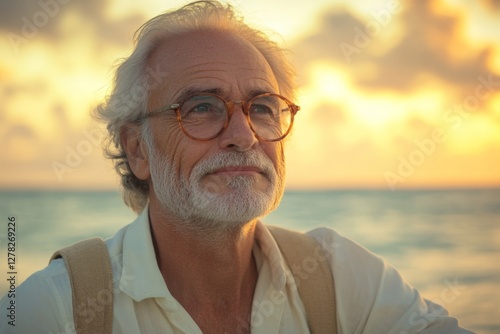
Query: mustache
{"points": [[229, 159]]}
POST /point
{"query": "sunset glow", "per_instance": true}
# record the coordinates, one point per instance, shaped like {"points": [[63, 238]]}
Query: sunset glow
{"points": [[379, 87]]}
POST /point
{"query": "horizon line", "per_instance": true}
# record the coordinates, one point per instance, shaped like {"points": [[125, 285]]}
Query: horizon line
{"points": [[289, 189]]}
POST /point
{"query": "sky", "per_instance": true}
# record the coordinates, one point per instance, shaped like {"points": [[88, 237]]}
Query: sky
{"points": [[393, 94]]}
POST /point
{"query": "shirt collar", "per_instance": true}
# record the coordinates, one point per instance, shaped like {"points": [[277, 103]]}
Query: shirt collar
{"points": [[271, 253], [141, 278]]}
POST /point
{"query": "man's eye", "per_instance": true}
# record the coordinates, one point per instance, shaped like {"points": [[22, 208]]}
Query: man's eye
{"points": [[202, 108], [261, 109]]}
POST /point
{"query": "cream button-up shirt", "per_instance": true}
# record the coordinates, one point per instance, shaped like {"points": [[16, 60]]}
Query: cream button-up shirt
{"points": [[371, 295]]}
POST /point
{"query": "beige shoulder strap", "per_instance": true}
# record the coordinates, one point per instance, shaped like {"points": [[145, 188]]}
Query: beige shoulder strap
{"points": [[315, 282], [91, 278]]}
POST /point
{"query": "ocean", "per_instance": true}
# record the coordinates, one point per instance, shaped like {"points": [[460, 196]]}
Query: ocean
{"points": [[446, 243]]}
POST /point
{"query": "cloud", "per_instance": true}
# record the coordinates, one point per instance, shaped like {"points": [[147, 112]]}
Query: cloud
{"points": [[12, 12], [33, 18], [20, 143], [19, 130], [420, 58], [432, 43], [491, 4], [335, 27]]}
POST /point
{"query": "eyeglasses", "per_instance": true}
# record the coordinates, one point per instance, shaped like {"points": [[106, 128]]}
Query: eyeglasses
{"points": [[204, 116]]}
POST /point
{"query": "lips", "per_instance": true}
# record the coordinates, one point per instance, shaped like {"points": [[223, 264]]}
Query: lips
{"points": [[237, 170]]}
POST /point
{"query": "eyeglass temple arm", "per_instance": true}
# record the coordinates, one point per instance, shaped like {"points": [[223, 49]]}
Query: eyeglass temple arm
{"points": [[159, 111]]}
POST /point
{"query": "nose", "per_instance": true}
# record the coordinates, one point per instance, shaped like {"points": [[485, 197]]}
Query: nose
{"points": [[238, 134]]}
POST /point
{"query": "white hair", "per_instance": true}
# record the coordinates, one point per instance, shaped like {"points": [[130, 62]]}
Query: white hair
{"points": [[134, 78]]}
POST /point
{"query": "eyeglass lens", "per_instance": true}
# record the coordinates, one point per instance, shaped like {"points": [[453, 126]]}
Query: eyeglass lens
{"points": [[203, 116]]}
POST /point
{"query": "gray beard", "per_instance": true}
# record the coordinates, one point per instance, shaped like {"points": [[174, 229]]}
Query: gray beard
{"points": [[200, 208]]}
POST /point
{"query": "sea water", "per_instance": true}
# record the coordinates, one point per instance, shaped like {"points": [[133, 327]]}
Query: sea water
{"points": [[446, 243]]}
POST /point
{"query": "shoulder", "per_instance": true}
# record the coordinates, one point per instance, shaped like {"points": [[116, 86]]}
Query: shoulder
{"points": [[358, 272], [372, 296], [346, 253], [43, 302]]}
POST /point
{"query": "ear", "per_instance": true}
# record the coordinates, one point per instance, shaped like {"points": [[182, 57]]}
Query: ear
{"points": [[136, 152]]}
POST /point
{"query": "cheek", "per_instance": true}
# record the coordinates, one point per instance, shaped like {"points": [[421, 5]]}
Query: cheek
{"points": [[276, 152], [167, 139], [183, 152], [281, 152]]}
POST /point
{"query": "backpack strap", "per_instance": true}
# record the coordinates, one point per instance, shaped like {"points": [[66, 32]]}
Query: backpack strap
{"points": [[316, 285], [91, 278]]}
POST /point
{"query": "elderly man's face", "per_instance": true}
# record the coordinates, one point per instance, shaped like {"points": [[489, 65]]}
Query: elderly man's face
{"points": [[234, 177]]}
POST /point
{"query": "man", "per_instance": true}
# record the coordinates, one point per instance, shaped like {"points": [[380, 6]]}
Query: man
{"points": [[201, 155]]}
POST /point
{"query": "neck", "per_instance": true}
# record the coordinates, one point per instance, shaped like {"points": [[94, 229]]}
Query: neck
{"points": [[206, 269]]}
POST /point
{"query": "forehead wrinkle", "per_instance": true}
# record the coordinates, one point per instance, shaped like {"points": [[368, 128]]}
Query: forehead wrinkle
{"points": [[255, 69], [193, 69], [241, 65], [204, 64], [224, 70], [197, 72]]}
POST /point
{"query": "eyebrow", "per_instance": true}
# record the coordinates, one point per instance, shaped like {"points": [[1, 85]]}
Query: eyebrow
{"points": [[255, 92], [217, 91], [193, 91]]}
